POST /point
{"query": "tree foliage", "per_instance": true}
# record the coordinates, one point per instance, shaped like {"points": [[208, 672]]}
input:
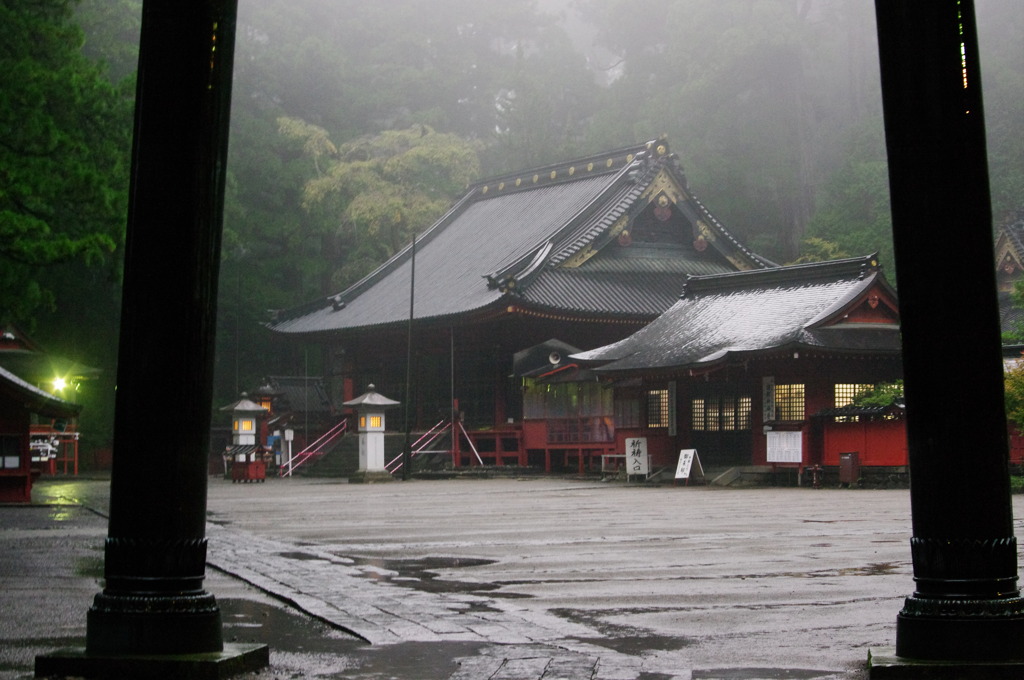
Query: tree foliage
{"points": [[65, 136], [353, 123], [63, 153], [881, 394], [1013, 383], [756, 95], [381, 189]]}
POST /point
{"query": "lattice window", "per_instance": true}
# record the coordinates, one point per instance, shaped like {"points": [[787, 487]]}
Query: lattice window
{"points": [[627, 413], [844, 394], [657, 408], [789, 402], [698, 414], [720, 413]]}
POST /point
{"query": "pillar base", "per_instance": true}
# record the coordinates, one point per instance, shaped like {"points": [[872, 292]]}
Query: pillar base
{"points": [[77, 662], [124, 624], [883, 664], [961, 630]]}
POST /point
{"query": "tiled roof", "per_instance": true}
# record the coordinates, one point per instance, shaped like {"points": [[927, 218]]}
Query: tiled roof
{"points": [[1011, 316], [1014, 230], [34, 399], [521, 239], [746, 312], [300, 394], [605, 293]]}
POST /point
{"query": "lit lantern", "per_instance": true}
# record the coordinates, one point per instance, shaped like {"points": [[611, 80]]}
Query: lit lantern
{"points": [[370, 409], [244, 458], [245, 417], [264, 396]]}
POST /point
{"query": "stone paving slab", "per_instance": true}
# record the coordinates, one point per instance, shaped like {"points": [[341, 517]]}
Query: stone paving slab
{"points": [[538, 579]]}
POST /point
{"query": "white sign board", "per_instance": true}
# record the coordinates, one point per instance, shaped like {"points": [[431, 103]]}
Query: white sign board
{"points": [[687, 459], [636, 456], [785, 447]]}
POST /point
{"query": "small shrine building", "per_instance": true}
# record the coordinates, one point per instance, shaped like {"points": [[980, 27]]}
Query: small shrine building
{"points": [[21, 403], [748, 367]]}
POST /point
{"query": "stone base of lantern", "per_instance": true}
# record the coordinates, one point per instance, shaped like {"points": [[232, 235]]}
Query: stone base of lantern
{"points": [[370, 477]]}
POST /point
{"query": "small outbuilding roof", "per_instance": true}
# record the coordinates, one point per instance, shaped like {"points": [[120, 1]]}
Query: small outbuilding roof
{"points": [[842, 306], [608, 235], [244, 405], [35, 400], [301, 394], [371, 398]]}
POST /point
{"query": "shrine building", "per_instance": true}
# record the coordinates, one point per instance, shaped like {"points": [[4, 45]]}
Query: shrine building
{"points": [[754, 368], [584, 253]]}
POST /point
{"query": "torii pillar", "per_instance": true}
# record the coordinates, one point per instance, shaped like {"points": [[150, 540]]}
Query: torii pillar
{"points": [[965, 617], [153, 618]]}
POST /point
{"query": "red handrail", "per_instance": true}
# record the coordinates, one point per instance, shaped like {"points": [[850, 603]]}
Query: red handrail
{"points": [[315, 449]]}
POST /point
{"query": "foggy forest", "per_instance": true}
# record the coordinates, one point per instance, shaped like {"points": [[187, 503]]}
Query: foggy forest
{"points": [[354, 126]]}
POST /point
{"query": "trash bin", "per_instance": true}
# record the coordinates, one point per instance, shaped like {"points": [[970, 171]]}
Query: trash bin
{"points": [[849, 468]]}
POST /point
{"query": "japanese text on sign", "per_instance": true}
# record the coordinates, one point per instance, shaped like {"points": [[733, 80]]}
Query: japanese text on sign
{"points": [[636, 456]]}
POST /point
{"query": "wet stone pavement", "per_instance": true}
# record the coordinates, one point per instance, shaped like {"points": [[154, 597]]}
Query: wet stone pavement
{"points": [[538, 579]]}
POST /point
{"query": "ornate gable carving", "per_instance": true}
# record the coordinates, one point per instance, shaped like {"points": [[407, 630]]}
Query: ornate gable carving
{"points": [[873, 307]]}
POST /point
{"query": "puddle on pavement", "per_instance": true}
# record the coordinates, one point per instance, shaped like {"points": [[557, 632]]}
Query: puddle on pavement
{"points": [[623, 639], [420, 660], [872, 569], [300, 556], [421, 573], [284, 630], [301, 646], [759, 674]]}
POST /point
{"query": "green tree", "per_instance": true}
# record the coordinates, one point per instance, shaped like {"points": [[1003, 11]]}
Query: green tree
{"points": [[853, 203], [1013, 383], [64, 139], [816, 249], [1000, 26], [65, 136], [111, 29], [381, 189], [754, 94], [881, 394]]}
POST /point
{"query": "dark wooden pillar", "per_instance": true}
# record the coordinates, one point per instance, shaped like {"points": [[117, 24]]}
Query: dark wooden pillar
{"points": [[966, 604], [155, 554]]}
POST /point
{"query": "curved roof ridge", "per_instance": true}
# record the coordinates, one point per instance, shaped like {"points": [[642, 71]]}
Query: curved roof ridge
{"points": [[843, 268], [599, 163]]}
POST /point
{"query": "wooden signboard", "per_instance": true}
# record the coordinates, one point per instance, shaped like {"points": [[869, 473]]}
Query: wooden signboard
{"points": [[637, 462], [689, 465]]}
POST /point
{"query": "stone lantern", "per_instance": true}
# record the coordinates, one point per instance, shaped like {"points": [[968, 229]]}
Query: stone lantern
{"points": [[244, 458], [370, 409]]}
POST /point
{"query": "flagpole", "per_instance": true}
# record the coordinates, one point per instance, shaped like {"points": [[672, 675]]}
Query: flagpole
{"points": [[406, 453]]}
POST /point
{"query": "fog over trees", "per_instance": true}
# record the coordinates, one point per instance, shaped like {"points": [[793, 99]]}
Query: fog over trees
{"points": [[355, 124]]}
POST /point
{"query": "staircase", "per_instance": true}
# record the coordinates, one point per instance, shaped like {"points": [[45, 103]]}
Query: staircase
{"points": [[341, 460]]}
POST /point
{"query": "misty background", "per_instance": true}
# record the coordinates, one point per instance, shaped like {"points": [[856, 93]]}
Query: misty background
{"points": [[355, 125]]}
